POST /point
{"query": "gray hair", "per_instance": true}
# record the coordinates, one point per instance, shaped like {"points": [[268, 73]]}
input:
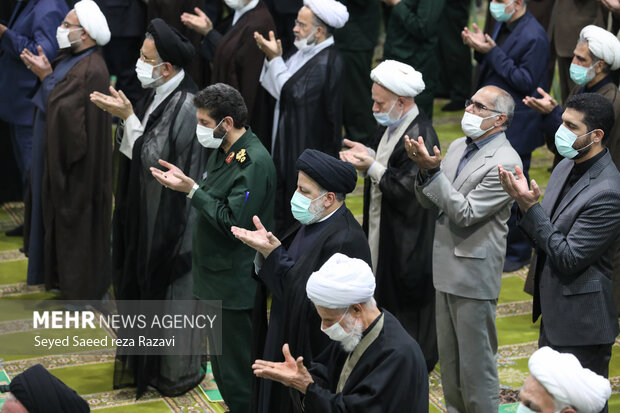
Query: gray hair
{"points": [[317, 22], [595, 58], [505, 104]]}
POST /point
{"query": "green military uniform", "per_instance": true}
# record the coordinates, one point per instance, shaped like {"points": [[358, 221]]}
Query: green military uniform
{"points": [[356, 42], [239, 184], [411, 37]]}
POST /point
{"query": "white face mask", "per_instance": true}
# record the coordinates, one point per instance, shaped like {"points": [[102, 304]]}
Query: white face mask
{"points": [[471, 125], [144, 72], [62, 37], [306, 42], [236, 4], [205, 136], [348, 340]]}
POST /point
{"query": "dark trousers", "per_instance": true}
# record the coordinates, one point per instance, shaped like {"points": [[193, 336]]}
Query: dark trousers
{"points": [[594, 357], [21, 138], [11, 188], [455, 68], [518, 248], [359, 123], [232, 369]]}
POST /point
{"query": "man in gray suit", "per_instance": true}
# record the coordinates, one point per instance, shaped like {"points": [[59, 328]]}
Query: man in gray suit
{"points": [[469, 246], [575, 230]]}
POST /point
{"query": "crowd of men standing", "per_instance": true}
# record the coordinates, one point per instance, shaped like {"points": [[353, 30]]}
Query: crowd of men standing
{"points": [[242, 125]]}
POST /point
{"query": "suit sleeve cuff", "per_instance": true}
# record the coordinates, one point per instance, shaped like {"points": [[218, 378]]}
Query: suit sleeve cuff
{"points": [[536, 224]]}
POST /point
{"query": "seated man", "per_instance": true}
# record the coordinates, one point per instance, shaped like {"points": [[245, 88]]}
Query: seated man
{"points": [[375, 367], [558, 383], [36, 390]]}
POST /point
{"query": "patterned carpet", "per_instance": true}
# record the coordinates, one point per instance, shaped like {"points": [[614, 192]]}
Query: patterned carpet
{"points": [[90, 373]]}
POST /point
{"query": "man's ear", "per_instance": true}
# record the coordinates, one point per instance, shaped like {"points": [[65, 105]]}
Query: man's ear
{"points": [[329, 199], [597, 135], [501, 119]]}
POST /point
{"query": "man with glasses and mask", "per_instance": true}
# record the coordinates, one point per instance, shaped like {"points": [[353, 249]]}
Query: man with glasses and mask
{"points": [[324, 227], [469, 246], [238, 185], [71, 172], [152, 226], [575, 231], [308, 86]]}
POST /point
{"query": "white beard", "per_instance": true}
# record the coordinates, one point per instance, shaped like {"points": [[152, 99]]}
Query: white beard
{"points": [[349, 343]]}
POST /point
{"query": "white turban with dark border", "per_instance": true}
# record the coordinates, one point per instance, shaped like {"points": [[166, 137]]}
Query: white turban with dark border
{"points": [[93, 21], [563, 377], [332, 12], [341, 282]]}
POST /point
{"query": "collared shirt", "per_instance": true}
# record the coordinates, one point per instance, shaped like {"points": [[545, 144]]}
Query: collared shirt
{"points": [[276, 73], [134, 128], [247, 8], [471, 149]]}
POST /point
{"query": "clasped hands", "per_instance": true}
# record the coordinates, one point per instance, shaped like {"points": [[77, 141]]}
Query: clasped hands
{"points": [[477, 39]]}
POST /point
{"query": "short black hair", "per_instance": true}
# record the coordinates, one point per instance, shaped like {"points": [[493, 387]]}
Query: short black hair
{"points": [[222, 100], [598, 112]]}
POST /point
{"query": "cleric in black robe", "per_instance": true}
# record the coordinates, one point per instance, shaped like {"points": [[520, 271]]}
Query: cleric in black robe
{"points": [[372, 366], [308, 86], [40, 392], [400, 231], [283, 274], [152, 226]]}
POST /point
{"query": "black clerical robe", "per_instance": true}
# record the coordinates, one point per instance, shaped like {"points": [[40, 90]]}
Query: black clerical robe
{"points": [[389, 377], [152, 228], [293, 318], [76, 186], [237, 61], [404, 270], [310, 118]]}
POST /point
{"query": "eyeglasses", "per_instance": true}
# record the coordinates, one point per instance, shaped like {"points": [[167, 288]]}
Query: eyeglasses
{"points": [[479, 106], [66, 25], [146, 59]]}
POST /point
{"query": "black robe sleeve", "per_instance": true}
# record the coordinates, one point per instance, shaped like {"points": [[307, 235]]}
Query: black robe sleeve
{"points": [[275, 270]]}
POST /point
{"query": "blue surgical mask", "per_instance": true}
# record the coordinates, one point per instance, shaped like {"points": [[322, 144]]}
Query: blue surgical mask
{"points": [[498, 11], [581, 75], [564, 140], [383, 118], [524, 409], [300, 207]]}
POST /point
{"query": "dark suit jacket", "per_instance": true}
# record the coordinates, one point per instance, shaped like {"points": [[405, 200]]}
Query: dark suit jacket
{"points": [[35, 25], [573, 285], [519, 66]]}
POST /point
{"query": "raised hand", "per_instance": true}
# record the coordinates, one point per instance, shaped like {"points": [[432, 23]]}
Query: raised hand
{"points": [[38, 64], [518, 188], [198, 22], [272, 47], [261, 240], [116, 103], [477, 39], [542, 105], [291, 372], [173, 178], [418, 153]]}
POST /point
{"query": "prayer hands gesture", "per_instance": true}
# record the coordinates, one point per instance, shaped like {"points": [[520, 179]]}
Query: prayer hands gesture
{"points": [[518, 189], [357, 154], [117, 103], [261, 240], [291, 372], [418, 153], [272, 47], [543, 105], [173, 178], [198, 22], [37, 64], [477, 40]]}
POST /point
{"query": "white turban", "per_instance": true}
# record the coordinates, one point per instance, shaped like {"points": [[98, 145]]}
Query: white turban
{"points": [[332, 12], [93, 21], [341, 282], [564, 378], [602, 44], [399, 78]]}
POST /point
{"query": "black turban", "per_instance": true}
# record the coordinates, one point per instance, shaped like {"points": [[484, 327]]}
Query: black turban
{"points": [[171, 45], [330, 173], [41, 392]]}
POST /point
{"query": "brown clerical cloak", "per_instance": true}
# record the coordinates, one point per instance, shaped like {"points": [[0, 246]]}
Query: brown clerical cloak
{"points": [[77, 183]]}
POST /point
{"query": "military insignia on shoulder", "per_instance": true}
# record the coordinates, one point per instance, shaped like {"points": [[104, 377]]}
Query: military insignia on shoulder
{"points": [[242, 158], [230, 157]]}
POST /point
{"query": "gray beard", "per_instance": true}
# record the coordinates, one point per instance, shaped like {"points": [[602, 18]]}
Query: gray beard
{"points": [[349, 343]]}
